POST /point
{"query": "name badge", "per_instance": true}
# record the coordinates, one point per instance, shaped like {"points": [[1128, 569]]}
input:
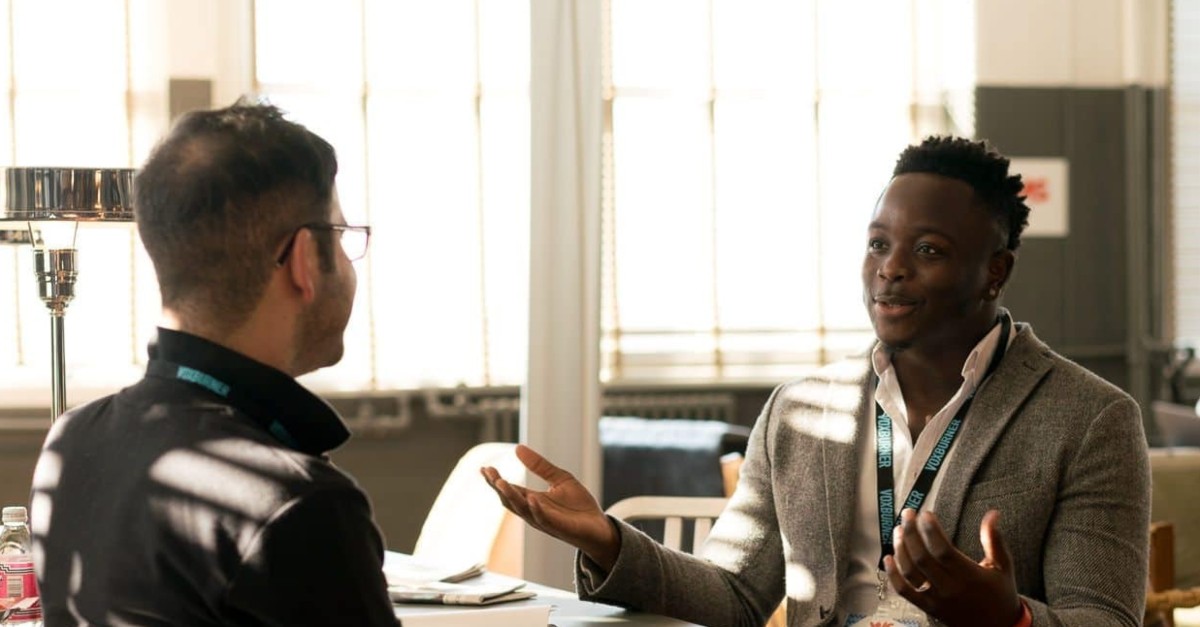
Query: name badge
{"points": [[893, 612]]}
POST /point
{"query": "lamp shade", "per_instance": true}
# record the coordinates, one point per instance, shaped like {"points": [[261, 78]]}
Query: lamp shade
{"points": [[43, 194]]}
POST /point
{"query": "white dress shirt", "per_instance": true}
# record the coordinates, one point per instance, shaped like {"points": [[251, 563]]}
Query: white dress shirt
{"points": [[862, 580]]}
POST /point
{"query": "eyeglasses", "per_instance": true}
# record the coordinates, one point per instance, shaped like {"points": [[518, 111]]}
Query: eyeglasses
{"points": [[354, 239]]}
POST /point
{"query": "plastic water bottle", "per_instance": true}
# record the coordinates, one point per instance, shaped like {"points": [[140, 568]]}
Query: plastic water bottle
{"points": [[20, 605]]}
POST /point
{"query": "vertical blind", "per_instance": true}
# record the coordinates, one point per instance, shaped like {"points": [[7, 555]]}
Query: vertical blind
{"points": [[1185, 165]]}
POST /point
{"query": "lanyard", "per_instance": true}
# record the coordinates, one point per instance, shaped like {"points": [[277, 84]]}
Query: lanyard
{"points": [[888, 517], [164, 369]]}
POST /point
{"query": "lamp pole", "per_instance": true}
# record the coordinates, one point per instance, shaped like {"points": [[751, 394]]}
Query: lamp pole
{"points": [[52, 202]]}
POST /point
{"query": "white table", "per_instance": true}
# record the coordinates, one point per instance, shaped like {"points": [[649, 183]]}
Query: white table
{"points": [[567, 610]]}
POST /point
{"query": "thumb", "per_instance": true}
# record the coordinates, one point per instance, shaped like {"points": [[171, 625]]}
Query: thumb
{"points": [[541, 467], [995, 551]]}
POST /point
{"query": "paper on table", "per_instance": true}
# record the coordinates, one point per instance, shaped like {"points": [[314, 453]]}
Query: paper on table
{"points": [[406, 570], [522, 616], [460, 594]]}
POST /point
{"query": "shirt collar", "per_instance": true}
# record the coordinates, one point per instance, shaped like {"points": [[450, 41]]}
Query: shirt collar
{"points": [[975, 366], [270, 397]]}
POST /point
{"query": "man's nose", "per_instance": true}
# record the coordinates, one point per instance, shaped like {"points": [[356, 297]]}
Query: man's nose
{"points": [[894, 266]]}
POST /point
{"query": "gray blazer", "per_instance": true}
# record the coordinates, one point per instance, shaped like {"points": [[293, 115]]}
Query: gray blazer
{"points": [[1059, 451]]}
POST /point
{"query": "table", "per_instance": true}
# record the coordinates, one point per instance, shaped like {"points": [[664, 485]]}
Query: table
{"points": [[568, 610]]}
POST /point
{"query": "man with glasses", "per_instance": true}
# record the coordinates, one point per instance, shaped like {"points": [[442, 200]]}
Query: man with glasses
{"points": [[202, 494]]}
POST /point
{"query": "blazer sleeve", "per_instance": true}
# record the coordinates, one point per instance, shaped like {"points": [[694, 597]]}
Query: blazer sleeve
{"points": [[1096, 548], [319, 562], [738, 578]]}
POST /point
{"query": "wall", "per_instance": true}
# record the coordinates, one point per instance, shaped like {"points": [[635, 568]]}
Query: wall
{"points": [[1086, 80]]}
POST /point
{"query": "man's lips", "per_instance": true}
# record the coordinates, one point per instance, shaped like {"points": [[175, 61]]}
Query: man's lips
{"points": [[892, 306], [892, 300]]}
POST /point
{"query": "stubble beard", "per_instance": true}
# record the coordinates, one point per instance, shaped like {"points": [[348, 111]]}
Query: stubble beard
{"points": [[320, 329]]}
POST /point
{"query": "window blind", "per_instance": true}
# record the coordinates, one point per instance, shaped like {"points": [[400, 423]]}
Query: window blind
{"points": [[748, 143]]}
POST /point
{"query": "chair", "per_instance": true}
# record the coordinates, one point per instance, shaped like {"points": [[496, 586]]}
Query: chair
{"points": [[664, 456], [1178, 425], [467, 524], [672, 510], [702, 510], [731, 469], [1162, 598]]}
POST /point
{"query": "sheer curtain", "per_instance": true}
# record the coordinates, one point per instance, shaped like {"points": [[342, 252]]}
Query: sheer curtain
{"points": [[749, 141]]}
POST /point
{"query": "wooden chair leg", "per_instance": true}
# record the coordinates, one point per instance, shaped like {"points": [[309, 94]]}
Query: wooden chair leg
{"points": [[1162, 565], [779, 618]]}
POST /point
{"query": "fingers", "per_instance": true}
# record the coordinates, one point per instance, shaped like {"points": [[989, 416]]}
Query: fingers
{"points": [[910, 551], [926, 557], [903, 560], [933, 575], [513, 497], [542, 467], [995, 551], [901, 584], [935, 552]]}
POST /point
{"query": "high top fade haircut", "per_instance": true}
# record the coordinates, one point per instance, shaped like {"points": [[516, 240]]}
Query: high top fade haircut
{"points": [[980, 166], [218, 197]]}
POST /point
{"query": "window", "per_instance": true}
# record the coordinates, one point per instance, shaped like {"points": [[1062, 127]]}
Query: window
{"points": [[100, 109], [427, 104], [749, 142]]}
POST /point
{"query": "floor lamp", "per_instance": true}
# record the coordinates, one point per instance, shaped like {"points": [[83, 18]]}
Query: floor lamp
{"points": [[43, 207]]}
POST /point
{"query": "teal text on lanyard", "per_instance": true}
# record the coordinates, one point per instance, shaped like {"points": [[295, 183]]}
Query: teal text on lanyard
{"points": [[924, 483]]}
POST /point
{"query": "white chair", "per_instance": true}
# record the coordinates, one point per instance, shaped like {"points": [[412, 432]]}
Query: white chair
{"points": [[672, 510], [703, 509], [467, 523]]}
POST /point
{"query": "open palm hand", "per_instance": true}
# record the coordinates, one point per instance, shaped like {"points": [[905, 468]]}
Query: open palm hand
{"points": [[565, 510]]}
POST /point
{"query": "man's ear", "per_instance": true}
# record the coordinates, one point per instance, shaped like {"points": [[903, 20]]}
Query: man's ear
{"points": [[303, 266], [1000, 268]]}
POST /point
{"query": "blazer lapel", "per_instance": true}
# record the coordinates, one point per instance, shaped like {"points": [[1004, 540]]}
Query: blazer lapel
{"points": [[996, 402]]}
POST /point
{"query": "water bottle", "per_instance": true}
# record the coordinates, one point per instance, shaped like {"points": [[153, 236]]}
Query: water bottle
{"points": [[20, 605]]}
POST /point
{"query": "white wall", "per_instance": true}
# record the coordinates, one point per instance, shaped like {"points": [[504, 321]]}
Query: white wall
{"points": [[211, 39], [1078, 43]]}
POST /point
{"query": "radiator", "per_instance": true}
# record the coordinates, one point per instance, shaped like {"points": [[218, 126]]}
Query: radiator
{"points": [[497, 410], [689, 405]]}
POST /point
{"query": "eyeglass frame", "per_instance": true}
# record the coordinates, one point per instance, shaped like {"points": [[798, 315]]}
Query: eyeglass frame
{"points": [[325, 226]]}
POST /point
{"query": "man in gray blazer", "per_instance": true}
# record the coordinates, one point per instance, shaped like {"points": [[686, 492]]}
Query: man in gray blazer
{"points": [[1024, 502]]}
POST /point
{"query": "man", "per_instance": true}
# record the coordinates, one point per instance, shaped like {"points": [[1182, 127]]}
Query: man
{"points": [[1023, 478], [202, 495]]}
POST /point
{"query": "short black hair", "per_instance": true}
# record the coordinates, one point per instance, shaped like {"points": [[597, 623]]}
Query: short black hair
{"points": [[218, 197], [979, 165]]}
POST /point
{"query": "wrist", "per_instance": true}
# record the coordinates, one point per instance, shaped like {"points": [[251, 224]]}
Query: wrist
{"points": [[604, 553]]}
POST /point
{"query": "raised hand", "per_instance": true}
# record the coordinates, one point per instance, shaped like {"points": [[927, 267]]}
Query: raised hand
{"points": [[565, 510], [941, 580]]}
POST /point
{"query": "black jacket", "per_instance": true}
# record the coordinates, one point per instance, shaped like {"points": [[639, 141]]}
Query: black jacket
{"points": [[202, 496]]}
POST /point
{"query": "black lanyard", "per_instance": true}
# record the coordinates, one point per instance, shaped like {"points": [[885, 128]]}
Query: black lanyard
{"points": [[164, 369], [888, 517]]}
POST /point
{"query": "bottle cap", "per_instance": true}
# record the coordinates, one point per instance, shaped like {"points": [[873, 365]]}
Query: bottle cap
{"points": [[14, 514]]}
